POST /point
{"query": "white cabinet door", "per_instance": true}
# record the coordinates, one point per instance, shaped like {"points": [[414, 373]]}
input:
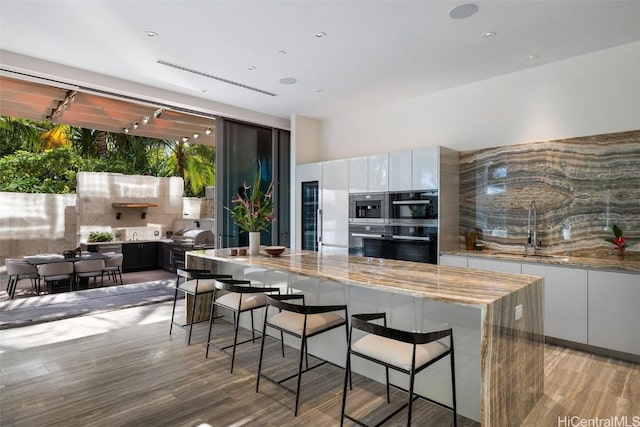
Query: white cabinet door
{"points": [[453, 261], [309, 172], [400, 170], [335, 203], [425, 168], [614, 311], [495, 265], [358, 174], [378, 172], [565, 301]]}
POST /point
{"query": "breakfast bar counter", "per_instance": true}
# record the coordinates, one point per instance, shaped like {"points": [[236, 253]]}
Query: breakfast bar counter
{"points": [[497, 320]]}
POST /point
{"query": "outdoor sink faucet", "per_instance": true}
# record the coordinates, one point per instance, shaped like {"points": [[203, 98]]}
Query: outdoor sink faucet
{"points": [[532, 232]]}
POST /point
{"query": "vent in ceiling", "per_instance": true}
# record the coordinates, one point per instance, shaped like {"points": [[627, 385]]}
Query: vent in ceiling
{"points": [[220, 79]]}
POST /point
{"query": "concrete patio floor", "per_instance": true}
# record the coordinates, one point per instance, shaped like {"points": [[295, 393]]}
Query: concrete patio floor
{"points": [[139, 288]]}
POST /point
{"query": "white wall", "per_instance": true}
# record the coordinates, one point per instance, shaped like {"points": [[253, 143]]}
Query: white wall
{"points": [[305, 148], [586, 95], [305, 139]]}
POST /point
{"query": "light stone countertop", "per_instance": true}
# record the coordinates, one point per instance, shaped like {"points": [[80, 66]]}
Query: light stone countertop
{"points": [[440, 283], [596, 261], [124, 242]]}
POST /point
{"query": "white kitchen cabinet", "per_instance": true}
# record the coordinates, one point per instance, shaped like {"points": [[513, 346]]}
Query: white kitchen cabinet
{"points": [[335, 203], [454, 261], [614, 315], [495, 265], [425, 168], [309, 172], [358, 174], [378, 173], [565, 301], [400, 175]]}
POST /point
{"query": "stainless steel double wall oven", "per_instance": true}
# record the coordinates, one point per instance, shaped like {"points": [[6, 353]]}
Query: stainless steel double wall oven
{"points": [[401, 225]]}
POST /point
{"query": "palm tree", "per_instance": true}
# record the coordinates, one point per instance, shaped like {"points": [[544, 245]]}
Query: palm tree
{"points": [[195, 163], [19, 134]]}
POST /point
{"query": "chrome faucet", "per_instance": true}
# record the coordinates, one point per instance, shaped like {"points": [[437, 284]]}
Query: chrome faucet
{"points": [[532, 232]]}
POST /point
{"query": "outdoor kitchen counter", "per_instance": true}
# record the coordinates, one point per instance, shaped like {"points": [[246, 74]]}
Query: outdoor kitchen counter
{"points": [[480, 306]]}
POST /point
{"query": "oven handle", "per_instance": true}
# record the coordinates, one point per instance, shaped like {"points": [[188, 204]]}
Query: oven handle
{"points": [[372, 236], [416, 238], [411, 202]]}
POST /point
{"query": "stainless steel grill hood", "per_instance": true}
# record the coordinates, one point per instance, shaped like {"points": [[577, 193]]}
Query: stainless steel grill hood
{"points": [[194, 237]]}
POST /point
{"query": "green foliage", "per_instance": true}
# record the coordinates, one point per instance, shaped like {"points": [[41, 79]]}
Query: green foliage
{"points": [[27, 166], [20, 134], [253, 209], [100, 236]]}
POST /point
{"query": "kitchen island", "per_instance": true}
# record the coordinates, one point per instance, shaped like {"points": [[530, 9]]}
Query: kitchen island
{"points": [[497, 321]]}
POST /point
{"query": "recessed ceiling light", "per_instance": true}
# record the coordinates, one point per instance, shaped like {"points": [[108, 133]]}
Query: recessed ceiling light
{"points": [[151, 34], [288, 80], [463, 11], [251, 67], [489, 34], [321, 34], [533, 57]]}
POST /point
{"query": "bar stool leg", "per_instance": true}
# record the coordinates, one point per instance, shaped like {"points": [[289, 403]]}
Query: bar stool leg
{"points": [[453, 386], [411, 382], [175, 298], [211, 319], [302, 352], [193, 313], [236, 322]]}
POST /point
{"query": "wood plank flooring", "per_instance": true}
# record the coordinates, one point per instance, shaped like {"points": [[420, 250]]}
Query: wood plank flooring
{"points": [[123, 368]]}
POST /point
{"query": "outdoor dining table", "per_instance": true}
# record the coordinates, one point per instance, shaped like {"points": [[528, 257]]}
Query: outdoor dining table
{"points": [[55, 258], [51, 258]]}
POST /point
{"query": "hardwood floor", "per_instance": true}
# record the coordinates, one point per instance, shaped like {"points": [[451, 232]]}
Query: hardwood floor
{"points": [[123, 368]]}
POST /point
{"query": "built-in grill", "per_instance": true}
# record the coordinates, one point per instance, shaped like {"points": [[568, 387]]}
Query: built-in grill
{"points": [[189, 239]]}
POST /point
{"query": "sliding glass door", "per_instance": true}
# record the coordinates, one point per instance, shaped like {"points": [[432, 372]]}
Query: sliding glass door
{"points": [[242, 151]]}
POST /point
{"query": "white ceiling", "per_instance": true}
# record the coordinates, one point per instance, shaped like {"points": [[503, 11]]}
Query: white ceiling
{"points": [[374, 52]]}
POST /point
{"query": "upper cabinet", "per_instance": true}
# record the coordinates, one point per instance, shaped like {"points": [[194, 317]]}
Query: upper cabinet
{"points": [[369, 174], [378, 173], [358, 175], [400, 171], [415, 169], [424, 162]]}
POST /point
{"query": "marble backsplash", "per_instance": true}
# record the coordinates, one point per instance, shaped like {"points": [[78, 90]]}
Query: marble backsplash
{"points": [[581, 188]]}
